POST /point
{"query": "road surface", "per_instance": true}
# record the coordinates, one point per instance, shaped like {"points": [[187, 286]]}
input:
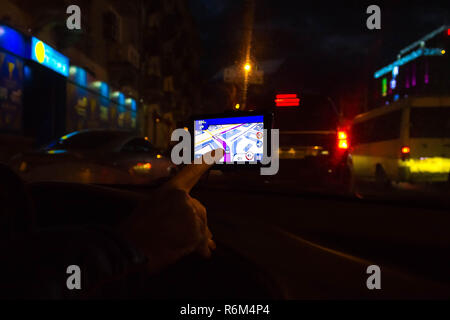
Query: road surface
{"points": [[319, 245]]}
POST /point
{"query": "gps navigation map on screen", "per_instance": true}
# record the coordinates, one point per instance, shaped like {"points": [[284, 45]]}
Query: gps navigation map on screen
{"points": [[240, 137]]}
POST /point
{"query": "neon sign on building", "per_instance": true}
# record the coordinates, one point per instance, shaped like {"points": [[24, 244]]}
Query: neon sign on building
{"points": [[43, 54]]}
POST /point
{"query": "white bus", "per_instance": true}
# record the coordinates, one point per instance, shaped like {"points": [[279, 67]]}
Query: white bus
{"points": [[406, 141]]}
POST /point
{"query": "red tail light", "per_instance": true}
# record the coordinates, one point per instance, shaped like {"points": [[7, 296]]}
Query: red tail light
{"points": [[406, 150], [287, 100], [342, 135], [342, 140], [342, 144], [405, 153]]}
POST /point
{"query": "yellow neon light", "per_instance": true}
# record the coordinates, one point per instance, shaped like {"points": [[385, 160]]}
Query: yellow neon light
{"points": [[39, 50]]}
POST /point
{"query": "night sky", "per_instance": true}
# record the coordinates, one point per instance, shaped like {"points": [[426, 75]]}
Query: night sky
{"points": [[323, 45]]}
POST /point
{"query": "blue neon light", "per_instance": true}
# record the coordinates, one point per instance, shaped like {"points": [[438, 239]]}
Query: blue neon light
{"points": [[78, 75], [395, 71], [413, 55], [13, 41], [104, 89], [49, 57], [119, 97], [132, 103], [393, 84]]}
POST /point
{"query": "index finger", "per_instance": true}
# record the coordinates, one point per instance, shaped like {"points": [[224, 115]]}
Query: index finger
{"points": [[188, 177]]}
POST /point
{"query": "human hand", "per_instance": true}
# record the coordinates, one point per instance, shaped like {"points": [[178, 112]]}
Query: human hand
{"points": [[172, 224]]}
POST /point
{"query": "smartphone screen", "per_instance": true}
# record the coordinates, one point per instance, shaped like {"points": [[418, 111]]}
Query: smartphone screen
{"points": [[242, 138]]}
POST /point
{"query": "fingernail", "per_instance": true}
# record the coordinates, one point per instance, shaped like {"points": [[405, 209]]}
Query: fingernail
{"points": [[212, 245]]}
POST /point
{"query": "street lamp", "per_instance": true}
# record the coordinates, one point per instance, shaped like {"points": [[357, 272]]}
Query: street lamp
{"points": [[247, 68]]}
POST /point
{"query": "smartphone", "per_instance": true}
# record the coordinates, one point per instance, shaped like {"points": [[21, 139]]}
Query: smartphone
{"points": [[240, 134]]}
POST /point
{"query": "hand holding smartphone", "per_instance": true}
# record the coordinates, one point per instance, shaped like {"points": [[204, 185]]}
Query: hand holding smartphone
{"points": [[241, 135]]}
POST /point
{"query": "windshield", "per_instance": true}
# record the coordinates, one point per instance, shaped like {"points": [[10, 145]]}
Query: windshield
{"points": [[430, 122], [334, 122]]}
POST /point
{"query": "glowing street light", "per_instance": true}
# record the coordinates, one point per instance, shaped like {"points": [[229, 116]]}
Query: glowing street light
{"points": [[247, 67]]}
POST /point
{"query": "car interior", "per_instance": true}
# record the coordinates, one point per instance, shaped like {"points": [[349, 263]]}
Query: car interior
{"points": [[192, 277]]}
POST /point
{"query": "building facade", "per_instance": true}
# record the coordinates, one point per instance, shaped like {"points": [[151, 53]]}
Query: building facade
{"points": [[132, 65], [421, 69]]}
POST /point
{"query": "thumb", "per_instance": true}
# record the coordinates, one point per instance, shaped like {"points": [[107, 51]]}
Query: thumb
{"points": [[188, 177]]}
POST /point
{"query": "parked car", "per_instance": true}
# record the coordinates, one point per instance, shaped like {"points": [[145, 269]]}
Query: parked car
{"points": [[95, 156]]}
